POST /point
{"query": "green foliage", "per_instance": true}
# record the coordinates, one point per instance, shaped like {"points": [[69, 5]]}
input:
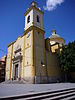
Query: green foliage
{"points": [[67, 57]]}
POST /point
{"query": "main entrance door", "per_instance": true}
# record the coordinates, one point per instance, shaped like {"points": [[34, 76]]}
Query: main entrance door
{"points": [[16, 71]]}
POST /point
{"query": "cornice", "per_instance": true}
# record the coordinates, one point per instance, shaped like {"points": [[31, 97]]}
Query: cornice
{"points": [[33, 7], [33, 28]]}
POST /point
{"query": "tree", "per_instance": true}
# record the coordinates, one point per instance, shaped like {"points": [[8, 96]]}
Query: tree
{"points": [[67, 57]]}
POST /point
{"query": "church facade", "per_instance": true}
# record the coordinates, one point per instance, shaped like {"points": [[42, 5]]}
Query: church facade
{"points": [[32, 58]]}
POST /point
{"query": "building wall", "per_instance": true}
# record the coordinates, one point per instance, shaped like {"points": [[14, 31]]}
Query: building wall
{"points": [[38, 24], [39, 55], [27, 25], [54, 48], [28, 49], [19, 43], [39, 50], [33, 19], [2, 68], [33, 53], [53, 68], [28, 67], [8, 62], [10, 55]]}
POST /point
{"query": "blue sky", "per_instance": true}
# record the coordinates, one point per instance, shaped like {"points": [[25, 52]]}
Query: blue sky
{"points": [[61, 17]]}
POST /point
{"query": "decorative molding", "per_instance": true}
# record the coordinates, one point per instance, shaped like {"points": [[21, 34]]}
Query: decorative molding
{"points": [[27, 65], [34, 28], [11, 43]]}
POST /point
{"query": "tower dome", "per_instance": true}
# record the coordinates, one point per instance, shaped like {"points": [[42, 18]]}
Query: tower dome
{"points": [[55, 38]]}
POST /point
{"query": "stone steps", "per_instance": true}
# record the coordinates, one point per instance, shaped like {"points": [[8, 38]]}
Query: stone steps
{"points": [[69, 98], [15, 82], [60, 96], [53, 96], [46, 95]]}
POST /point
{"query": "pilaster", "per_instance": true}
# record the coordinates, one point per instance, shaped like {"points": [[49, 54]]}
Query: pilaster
{"points": [[32, 52], [22, 72], [33, 56], [11, 62]]}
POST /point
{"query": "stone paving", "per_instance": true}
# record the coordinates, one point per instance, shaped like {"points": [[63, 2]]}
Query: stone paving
{"points": [[20, 89]]}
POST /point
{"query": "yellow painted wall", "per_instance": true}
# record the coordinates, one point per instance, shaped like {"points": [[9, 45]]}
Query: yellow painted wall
{"points": [[19, 42], [9, 63], [29, 65], [39, 51], [52, 65], [54, 47], [11, 54], [29, 71], [33, 54]]}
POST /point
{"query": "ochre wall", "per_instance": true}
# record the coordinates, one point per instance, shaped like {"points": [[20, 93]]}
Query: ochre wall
{"points": [[11, 54], [39, 52], [55, 47], [33, 52], [52, 65], [29, 69], [8, 62], [20, 42]]}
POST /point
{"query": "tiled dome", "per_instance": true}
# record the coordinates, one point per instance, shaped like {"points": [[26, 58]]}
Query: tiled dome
{"points": [[54, 36]]}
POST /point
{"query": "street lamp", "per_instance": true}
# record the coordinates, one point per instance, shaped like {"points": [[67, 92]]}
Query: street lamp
{"points": [[43, 65]]}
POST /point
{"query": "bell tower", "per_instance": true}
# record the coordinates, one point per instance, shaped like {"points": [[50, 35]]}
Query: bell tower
{"points": [[33, 16], [35, 67]]}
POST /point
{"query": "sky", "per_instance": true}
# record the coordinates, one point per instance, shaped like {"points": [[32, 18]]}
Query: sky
{"points": [[58, 14]]}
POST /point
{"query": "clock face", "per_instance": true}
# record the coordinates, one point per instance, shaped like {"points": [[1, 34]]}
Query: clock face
{"points": [[28, 34]]}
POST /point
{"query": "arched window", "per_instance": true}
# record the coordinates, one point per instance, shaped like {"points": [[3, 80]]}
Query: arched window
{"points": [[28, 19], [38, 19]]}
